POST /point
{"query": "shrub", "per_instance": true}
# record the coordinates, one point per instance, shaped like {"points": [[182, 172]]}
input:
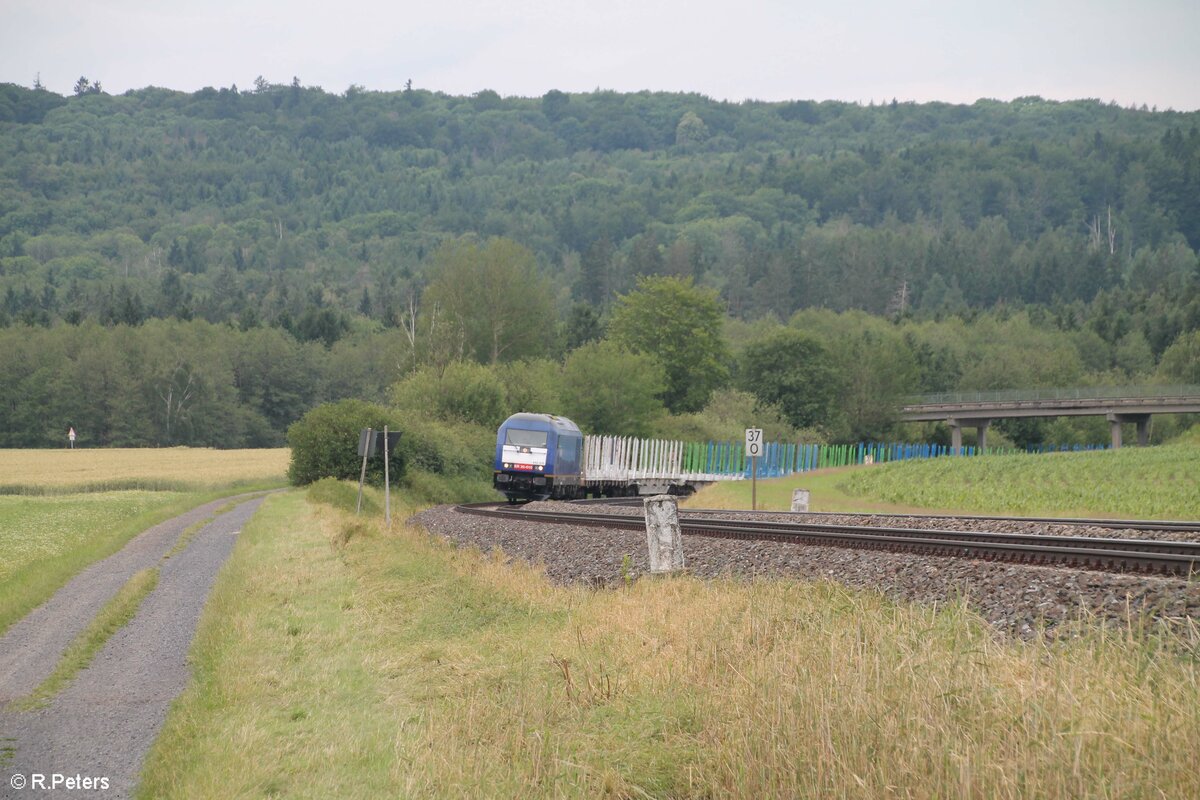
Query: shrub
{"points": [[608, 389], [426, 487], [451, 449], [533, 386], [324, 443], [728, 413]]}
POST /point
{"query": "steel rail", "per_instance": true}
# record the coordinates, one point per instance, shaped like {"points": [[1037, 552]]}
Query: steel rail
{"points": [[1123, 555], [1186, 526], [1114, 524]]}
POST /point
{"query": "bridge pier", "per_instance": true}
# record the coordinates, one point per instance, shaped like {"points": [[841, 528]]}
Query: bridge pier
{"points": [[1143, 427], [956, 426]]}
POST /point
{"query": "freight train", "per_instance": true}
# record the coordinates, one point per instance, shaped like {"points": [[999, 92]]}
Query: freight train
{"points": [[544, 456]]}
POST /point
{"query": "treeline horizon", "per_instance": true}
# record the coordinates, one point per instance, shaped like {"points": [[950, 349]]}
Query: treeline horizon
{"points": [[825, 377], [286, 213]]}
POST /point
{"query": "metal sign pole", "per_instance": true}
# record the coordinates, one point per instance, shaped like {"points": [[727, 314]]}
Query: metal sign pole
{"points": [[754, 440], [754, 483], [387, 480], [362, 477]]}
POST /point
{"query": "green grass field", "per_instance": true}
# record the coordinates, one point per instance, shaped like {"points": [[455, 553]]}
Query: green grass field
{"points": [[775, 494], [1157, 482], [36, 529], [46, 540]]}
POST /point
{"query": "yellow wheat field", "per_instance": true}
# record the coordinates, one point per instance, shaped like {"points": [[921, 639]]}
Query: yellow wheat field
{"points": [[173, 467]]}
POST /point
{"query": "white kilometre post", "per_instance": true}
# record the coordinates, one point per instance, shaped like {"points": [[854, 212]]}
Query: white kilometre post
{"points": [[754, 449], [662, 534], [800, 500]]}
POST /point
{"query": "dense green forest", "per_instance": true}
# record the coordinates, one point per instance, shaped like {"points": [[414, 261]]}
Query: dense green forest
{"points": [[285, 245]]}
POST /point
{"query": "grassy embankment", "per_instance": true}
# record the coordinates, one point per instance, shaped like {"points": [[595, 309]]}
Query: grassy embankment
{"points": [[60, 510], [1158, 482], [338, 659]]}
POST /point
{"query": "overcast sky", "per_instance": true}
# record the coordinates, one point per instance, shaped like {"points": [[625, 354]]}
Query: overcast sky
{"points": [[859, 50]]}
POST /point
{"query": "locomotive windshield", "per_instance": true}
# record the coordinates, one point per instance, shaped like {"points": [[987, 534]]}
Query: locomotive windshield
{"points": [[520, 438]]}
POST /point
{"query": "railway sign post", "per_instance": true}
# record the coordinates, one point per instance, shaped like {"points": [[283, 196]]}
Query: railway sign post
{"points": [[370, 444], [366, 449], [387, 478], [754, 449]]}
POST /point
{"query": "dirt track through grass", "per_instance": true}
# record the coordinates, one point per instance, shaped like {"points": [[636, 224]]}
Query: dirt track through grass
{"points": [[103, 723]]}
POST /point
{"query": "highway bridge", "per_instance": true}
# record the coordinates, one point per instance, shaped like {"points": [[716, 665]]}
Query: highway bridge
{"points": [[1127, 404]]}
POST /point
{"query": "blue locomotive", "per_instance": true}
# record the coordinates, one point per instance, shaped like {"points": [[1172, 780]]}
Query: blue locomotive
{"points": [[538, 457]]}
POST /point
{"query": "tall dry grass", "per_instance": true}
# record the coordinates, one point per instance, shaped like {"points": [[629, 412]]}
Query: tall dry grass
{"points": [[348, 660], [786, 689], [175, 468]]}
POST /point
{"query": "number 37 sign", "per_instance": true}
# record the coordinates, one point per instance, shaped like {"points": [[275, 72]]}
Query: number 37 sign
{"points": [[754, 442]]}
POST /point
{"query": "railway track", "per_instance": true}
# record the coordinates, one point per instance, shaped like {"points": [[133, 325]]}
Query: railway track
{"points": [[1088, 522], [1116, 555], [1183, 526]]}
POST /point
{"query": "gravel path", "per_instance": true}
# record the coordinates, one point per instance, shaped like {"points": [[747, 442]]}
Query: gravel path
{"points": [[1012, 597], [103, 723]]}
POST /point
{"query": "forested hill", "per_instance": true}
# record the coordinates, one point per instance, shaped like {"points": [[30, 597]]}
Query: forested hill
{"points": [[268, 204]]}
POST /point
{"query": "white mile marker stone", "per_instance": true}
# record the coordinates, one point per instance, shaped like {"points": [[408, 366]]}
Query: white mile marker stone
{"points": [[662, 534], [800, 500]]}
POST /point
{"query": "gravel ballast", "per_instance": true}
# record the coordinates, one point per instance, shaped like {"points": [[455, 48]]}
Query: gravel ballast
{"points": [[104, 722], [1014, 598]]}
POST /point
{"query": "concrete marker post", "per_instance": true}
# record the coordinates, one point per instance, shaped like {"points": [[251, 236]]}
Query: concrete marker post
{"points": [[663, 539], [800, 499]]}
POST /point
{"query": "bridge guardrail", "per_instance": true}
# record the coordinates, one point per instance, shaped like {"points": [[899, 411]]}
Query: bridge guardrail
{"points": [[1076, 393]]}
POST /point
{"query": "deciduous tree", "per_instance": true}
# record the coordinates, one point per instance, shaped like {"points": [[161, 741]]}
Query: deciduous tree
{"points": [[608, 389], [792, 371], [679, 324], [493, 298]]}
